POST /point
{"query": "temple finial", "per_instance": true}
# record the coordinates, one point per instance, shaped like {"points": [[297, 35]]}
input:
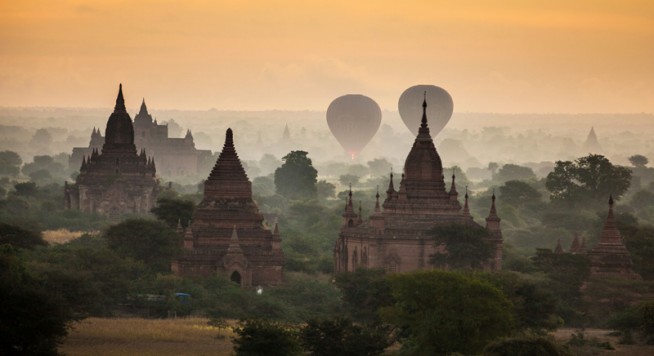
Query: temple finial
{"points": [[120, 101], [423, 122]]}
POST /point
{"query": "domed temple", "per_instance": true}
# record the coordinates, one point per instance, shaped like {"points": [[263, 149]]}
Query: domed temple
{"points": [[227, 235], [174, 157], [396, 238], [116, 180]]}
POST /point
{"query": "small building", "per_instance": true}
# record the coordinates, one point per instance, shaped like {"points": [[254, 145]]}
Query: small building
{"points": [[396, 238], [115, 180], [227, 235]]}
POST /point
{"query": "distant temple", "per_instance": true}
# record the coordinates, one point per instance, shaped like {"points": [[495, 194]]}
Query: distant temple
{"points": [[174, 157], [116, 180], [610, 256], [592, 145], [227, 235], [397, 238]]}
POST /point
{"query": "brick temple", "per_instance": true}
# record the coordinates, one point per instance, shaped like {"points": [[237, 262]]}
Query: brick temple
{"points": [[396, 235], [115, 180], [610, 257], [227, 235]]}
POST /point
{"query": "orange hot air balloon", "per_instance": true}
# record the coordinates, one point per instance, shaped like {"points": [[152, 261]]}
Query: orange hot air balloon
{"points": [[439, 107], [353, 119]]}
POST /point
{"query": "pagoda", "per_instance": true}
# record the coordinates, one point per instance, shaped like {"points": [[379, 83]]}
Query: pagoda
{"points": [[396, 238], [115, 180], [227, 235], [610, 256]]}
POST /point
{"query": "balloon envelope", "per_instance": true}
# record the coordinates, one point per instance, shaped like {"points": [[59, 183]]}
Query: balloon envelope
{"points": [[353, 119], [439, 107]]}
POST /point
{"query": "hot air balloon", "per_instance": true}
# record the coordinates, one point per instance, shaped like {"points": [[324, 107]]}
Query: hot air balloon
{"points": [[353, 120], [439, 107]]}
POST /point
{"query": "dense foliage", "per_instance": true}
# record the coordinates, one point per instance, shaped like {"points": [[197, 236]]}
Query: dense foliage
{"points": [[33, 320], [445, 312], [461, 246], [590, 178], [296, 178], [150, 241], [257, 337]]}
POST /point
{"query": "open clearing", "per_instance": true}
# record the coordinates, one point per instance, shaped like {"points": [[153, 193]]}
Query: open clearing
{"points": [[193, 336], [135, 336]]}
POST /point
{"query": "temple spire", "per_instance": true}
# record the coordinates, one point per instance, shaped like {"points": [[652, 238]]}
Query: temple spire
{"points": [[144, 109], [466, 208], [559, 249], [360, 219], [453, 193], [423, 121], [377, 207], [120, 101]]}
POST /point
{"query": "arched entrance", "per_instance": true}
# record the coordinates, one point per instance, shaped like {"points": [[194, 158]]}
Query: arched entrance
{"points": [[235, 277]]}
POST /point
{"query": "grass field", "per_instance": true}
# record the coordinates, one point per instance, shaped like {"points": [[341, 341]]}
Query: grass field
{"points": [[134, 336], [193, 336], [61, 236], [594, 337]]}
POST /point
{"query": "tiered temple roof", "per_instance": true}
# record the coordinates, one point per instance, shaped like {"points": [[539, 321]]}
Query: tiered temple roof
{"points": [[397, 237], [227, 221], [610, 256]]}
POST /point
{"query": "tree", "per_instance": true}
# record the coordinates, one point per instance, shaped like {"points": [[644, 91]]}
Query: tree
{"points": [[640, 243], [534, 304], [591, 178], [19, 237], [296, 178], [365, 291], [638, 161], [347, 179], [47, 163], [514, 172], [339, 336], [261, 337], [517, 193], [42, 137], [443, 312], [27, 189], [493, 166], [325, 189], [566, 274], [33, 320], [463, 246], [263, 186], [150, 241], [10, 163], [174, 211]]}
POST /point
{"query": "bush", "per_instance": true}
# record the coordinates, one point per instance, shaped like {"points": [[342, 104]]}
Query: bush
{"points": [[525, 346], [339, 336], [263, 337]]}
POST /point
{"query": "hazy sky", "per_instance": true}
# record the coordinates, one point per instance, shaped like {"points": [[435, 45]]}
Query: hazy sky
{"points": [[500, 56]]}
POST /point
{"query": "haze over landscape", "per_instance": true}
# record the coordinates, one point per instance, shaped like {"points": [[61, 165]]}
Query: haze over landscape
{"points": [[164, 158]]}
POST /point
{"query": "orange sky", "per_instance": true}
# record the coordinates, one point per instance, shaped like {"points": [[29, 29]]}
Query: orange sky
{"points": [[500, 56]]}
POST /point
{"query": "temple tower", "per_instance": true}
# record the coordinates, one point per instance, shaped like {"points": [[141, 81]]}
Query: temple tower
{"points": [[227, 235], [610, 256], [116, 180], [396, 236]]}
